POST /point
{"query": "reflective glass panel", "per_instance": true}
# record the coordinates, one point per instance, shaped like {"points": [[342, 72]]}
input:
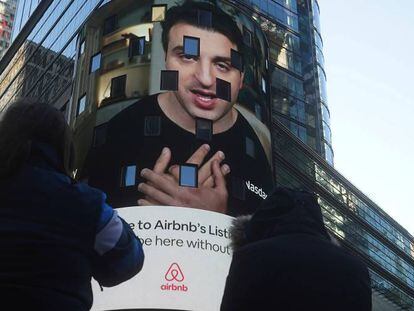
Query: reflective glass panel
{"points": [[95, 62]]}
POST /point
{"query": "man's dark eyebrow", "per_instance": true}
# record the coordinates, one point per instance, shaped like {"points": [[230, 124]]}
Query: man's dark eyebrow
{"points": [[178, 49], [222, 59]]}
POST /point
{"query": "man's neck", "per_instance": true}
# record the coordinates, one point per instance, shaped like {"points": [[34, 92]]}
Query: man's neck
{"points": [[176, 113]]}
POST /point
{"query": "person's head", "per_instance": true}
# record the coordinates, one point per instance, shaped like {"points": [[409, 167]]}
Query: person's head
{"points": [[284, 211], [197, 75], [27, 121]]}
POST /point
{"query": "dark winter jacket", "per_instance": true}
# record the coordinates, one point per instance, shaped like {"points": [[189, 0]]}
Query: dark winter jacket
{"points": [[55, 235], [284, 260]]}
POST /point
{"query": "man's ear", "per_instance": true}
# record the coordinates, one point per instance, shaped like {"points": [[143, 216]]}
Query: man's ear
{"points": [[241, 80]]}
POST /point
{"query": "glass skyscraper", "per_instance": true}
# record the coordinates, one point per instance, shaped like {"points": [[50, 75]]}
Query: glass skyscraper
{"points": [[73, 54]]}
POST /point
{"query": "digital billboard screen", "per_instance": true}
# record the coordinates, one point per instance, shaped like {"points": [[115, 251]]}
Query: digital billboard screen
{"points": [[175, 130]]}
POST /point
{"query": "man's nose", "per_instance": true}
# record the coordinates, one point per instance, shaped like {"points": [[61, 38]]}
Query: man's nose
{"points": [[205, 74]]}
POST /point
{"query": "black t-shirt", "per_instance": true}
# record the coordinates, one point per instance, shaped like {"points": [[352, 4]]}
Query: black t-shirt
{"points": [[137, 135]]}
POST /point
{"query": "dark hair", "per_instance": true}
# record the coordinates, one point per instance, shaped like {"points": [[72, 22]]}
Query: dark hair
{"points": [[188, 14], [26, 121]]}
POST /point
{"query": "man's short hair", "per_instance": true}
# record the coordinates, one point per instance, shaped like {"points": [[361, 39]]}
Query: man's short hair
{"points": [[188, 14]]}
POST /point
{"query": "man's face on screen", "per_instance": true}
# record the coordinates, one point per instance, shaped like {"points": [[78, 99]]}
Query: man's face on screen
{"points": [[197, 75]]}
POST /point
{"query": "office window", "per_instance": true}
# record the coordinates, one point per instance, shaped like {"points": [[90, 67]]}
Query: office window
{"points": [[136, 46], [118, 85], [128, 175], [110, 24], [95, 62], [328, 154], [158, 13], [81, 105]]}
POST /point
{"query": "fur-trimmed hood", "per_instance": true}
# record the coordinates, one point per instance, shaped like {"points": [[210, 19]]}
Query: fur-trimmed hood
{"points": [[285, 211]]}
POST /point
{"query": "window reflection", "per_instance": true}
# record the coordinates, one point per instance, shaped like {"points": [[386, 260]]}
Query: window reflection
{"points": [[287, 83], [326, 132], [318, 40], [315, 15], [95, 62], [277, 11], [322, 85], [328, 154], [325, 114], [81, 105]]}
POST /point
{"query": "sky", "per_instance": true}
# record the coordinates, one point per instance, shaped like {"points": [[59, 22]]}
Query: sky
{"points": [[369, 62]]}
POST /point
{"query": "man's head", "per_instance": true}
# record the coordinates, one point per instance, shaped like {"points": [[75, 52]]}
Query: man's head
{"points": [[197, 74]]}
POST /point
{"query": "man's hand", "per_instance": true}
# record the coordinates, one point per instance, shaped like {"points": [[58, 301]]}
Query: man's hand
{"points": [[205, 173], [166, 191]]}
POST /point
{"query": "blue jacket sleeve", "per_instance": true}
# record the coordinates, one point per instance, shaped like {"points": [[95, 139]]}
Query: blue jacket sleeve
{"points": [[118, 252]]}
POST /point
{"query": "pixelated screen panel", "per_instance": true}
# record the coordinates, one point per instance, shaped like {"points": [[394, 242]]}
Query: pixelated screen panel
{"points": [[158, 13], [204, 129], [189, 175], [236, 60], [250, 148], [191, 46], [238, 188], [128, 175], [169, 80], [205, 18], [152, 126], [223, 89]]}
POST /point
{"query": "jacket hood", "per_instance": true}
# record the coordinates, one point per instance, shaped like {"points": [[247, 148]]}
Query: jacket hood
{"points": [[45, 156], [285, 211]]}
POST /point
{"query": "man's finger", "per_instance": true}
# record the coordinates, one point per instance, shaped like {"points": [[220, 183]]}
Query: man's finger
{"points": [[198, 156], [151, 200], [174, 171], [206, 171], [158, 182], [154, 193], [225, 169], [162, 161], [219, 180], [143, 202]]}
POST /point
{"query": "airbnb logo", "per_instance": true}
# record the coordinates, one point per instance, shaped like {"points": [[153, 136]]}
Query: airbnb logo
{"points": [[174, 274]]}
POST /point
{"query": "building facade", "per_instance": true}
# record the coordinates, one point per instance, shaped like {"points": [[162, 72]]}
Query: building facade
{"points": [[93, 58], [7, 18]]}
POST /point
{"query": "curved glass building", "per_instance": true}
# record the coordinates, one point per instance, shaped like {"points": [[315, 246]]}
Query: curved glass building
{"points": [[92, 59]]}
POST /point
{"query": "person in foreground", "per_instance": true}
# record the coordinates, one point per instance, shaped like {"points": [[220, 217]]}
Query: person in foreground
{"points": [[284, 259], [55, 234]]}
